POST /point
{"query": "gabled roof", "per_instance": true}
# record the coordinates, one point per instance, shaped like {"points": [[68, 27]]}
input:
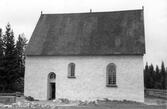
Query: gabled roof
{"points": [[97, 33]]}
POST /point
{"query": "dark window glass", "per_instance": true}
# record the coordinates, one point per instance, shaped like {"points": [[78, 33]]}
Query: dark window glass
{"points": [[71, 70], [111, 74], [52, 75]]}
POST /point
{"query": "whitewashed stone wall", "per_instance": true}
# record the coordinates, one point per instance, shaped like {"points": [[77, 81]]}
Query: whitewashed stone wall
{"points": [[90, 81]]}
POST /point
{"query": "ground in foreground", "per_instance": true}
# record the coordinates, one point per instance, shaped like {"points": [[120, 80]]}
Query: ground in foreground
{"points": [[103, 104]]}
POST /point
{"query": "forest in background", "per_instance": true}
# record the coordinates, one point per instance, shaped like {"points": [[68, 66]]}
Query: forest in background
{"points": [[155, 78], [12, 61]]}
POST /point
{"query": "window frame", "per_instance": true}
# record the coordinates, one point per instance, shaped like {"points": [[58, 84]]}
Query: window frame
{"points": [[111, 76], [52, 76], [71, 70]]}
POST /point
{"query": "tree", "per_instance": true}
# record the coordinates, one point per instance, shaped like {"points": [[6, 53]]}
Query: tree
{"points": [[1, 50], [146, 75], [157, 78], [149, 76], [20, 48], [166, 79], [152, 76], [2, 74], [12, 61], [163, 76], [1, 44], [9, 58]]}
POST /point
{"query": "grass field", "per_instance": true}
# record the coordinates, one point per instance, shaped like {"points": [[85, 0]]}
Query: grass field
{"points": [[98, 106], [150, 103]]}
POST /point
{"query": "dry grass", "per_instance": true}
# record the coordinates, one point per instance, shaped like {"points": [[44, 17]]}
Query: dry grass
{"points": [[101, 104]]}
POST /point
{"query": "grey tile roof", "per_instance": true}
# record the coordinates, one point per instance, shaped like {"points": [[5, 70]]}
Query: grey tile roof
{"points": [[97, 33]]}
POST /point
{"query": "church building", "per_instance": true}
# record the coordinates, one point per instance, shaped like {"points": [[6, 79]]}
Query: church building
{"points": [[87, 56]]}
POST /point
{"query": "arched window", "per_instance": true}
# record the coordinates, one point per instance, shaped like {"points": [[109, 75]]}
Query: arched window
{"points": [[52, 76], [111, 75], [71, 70]]}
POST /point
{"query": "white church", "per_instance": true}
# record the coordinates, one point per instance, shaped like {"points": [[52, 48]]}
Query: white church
{"points": [[87, 56]]}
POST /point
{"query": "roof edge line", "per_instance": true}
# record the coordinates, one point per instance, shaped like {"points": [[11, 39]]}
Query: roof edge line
{"points": [[93, 12]]}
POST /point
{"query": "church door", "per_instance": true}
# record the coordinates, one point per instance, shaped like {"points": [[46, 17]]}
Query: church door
{"points": [[51, 86], [52, 90]]}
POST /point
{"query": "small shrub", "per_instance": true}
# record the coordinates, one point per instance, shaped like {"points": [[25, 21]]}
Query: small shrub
{"points": [[64, 100], [93, 103], [107, 100], [83, 102], [29, 98], [19, 94]]}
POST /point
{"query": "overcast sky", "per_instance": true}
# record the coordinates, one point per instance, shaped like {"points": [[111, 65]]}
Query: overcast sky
{"points": [[24, 14]]}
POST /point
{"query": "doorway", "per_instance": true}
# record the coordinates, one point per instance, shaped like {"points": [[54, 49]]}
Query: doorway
{"points": [[52, 91]]}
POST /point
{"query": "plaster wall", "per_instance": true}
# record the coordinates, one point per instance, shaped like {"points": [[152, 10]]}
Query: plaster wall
{"points": [[90, 81]]}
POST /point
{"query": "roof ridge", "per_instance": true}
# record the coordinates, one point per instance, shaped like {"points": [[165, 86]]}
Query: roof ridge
{"points": [[96, 12]]}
